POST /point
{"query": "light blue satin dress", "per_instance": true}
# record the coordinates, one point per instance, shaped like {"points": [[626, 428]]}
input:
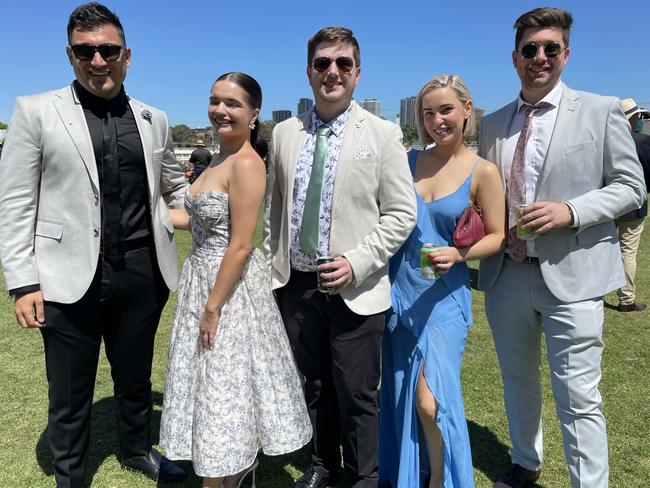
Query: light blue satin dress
{"points": [[426, 328]]}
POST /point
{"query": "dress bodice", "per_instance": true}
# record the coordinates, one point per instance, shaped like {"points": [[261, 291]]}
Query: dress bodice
{"points": [[416, 300], [210, 216]]}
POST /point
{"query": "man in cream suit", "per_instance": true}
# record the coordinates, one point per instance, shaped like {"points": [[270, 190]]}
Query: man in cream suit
{"points": [[339, 185], [87, 246], [569, 155]]}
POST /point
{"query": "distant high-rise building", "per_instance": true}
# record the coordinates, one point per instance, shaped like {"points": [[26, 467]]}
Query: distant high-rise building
{"points": [[280, 115], [371, 105], [407, 112], [304, 105]]}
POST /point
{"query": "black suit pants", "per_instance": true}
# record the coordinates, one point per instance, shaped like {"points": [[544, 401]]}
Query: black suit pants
{"points": [[122, 307], [338, 352]]}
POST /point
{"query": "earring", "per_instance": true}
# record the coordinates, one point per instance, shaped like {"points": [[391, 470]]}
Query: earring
{"points": [[251, 126]]}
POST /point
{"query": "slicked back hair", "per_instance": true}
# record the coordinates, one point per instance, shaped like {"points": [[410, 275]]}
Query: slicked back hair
{"points": [[253, 92]]}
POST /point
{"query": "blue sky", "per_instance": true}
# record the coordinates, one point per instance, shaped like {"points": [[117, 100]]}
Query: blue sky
{"points": [[179, 48]]}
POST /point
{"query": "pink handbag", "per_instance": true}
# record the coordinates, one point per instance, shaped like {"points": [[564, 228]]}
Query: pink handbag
{"points": [[470, 228]]}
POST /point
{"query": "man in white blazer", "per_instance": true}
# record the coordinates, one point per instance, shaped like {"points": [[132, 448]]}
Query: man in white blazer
{"points": [[570, 156], [339, 185], [87, 245]]}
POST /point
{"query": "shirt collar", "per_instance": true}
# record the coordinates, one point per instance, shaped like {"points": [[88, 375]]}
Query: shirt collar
{"points": [[91, 101], [337, 124], [553, 97]]}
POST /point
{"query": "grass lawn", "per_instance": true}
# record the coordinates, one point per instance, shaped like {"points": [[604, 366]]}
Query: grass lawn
{"points": [[25, 459]]}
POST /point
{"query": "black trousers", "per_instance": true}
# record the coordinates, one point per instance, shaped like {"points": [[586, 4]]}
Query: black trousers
{"points": [[122, 307], [338, 352]]}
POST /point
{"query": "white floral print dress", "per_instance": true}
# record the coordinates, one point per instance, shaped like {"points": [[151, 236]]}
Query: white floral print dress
{"points": [[222, 406]]}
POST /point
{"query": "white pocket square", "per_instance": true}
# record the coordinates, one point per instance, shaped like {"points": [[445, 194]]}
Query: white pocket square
{"points": [[362, 153]]}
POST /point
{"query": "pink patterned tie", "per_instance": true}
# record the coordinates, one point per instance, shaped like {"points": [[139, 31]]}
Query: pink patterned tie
{"points": [[517, 183]]}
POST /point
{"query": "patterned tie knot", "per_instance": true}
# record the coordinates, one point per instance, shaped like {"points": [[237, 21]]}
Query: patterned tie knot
{"points": [[528, 110]]}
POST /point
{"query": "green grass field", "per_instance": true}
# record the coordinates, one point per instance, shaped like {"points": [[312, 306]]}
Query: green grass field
{"points": [[25, 458]]}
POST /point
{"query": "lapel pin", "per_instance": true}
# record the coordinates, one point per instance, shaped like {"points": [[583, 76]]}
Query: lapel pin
{"points": [[146, 115]]}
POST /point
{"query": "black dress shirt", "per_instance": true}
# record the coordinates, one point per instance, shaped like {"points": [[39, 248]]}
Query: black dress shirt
{"points": [[126, 219]]}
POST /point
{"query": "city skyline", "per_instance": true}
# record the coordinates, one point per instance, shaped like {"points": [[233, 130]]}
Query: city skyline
{"points": [[174, 63]]}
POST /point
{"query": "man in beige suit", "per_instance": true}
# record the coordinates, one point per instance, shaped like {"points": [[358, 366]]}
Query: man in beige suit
{"points": [[339, 185], [86, 242], [570, 157]]}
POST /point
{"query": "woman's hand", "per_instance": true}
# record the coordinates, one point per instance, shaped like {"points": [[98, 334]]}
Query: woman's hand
{"points": [[444, 259], [208, 326]]}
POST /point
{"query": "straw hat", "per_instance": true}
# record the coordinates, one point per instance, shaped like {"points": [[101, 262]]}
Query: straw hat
{"points": [[630, 108], [200, 143]]}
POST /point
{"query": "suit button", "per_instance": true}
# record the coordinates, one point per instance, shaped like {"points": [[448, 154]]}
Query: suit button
{"points": [[96, 232], [96, 199]]}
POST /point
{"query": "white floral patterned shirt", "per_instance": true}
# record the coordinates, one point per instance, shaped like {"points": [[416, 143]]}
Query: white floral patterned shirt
{"points": [[299, 260]]}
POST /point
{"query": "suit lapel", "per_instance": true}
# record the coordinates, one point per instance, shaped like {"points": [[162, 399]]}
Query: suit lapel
{"points": [[293, 150], [146, 137], [69, 108], [351, 138], [502, 135], [569, 104]]}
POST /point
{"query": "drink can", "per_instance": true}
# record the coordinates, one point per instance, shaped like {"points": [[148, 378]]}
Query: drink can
{"points": [[525, 234], [321, 282], [428, 270]]}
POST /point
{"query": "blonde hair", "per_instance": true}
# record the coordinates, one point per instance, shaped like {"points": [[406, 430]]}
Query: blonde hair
{"points": [[454, 82]]}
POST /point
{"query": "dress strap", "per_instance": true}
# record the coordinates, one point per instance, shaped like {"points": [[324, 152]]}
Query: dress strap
{"points": [[471, 177], [412, 157], [474, 167]]}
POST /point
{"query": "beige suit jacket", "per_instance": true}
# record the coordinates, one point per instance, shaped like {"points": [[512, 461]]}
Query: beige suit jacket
{"points": [[373, 206], [50, 212], [592, 163]]}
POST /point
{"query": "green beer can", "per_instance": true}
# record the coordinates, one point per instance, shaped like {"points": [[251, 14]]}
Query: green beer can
{"points": [[428, 270]]}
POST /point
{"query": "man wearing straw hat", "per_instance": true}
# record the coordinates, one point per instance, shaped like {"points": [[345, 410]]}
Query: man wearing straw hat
{"points": [[630, 225]]}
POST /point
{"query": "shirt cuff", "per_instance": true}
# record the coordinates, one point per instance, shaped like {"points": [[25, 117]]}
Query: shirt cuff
{"points": [[24, 289], [575, 220]]}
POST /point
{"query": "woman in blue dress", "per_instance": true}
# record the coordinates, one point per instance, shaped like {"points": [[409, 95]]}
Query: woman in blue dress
{"points": [[423, 430]]}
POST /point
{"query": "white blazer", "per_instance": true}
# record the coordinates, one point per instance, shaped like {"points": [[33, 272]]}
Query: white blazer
{"points": [[50, 216], [373, 206], [592, 163]]}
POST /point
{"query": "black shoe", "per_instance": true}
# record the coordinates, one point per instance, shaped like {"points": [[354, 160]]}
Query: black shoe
{"points": [[632, 307], [312, 479], [155, 466], [517, 477]]}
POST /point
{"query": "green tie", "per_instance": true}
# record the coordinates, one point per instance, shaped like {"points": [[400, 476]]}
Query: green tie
{"points": [[310, 217]]}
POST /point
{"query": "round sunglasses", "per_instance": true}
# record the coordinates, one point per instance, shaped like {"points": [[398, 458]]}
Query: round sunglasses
{"points": [[551, 50]]}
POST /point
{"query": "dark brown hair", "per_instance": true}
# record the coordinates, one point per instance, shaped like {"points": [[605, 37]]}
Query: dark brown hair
{"points": [[544, 17], [333, 35]]}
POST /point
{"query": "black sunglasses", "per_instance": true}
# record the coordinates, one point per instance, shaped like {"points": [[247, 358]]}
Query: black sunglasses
{"points": [[343, 63], [86, 52], [551, 50]]}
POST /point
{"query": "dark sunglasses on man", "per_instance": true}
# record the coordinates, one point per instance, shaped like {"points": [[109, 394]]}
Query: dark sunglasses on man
{"points": [[343, 63], [551, 50], [86, 52]]}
